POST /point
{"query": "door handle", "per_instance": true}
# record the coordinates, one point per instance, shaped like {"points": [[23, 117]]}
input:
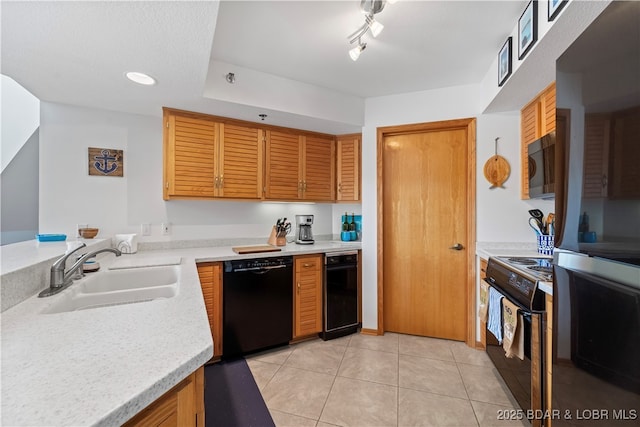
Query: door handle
{"points": [[457, 247]]}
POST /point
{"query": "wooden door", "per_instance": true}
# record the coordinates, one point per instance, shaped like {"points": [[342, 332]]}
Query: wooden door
{"points": [[240, 162], [427, 200], [318, 169], [189, 156], [283, 177], [307, 296], [348, 168]]}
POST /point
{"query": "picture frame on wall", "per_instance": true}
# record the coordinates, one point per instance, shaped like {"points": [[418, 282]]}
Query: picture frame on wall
{"points": [[554, 7], [504, 62], [527, 29]]}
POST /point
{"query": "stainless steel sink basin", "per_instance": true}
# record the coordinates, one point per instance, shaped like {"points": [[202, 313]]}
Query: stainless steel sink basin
{"points": [[118, 287]]}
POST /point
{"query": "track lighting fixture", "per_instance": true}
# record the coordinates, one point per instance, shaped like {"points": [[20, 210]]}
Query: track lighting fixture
{"points": [[355, 52], [369, 8]]}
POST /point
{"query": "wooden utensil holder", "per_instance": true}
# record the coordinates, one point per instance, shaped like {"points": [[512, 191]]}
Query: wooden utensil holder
{"points": [[275, 239]]}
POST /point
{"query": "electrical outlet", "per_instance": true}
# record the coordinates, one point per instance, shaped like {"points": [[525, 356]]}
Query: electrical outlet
{"points": [[145, 229], [165, 228]]}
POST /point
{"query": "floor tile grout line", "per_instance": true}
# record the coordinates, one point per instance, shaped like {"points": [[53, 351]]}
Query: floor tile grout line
{"points": [[332, 384]]}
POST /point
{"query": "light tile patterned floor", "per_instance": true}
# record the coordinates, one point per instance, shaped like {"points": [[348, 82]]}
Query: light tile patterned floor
{"points": [[390, 380]]}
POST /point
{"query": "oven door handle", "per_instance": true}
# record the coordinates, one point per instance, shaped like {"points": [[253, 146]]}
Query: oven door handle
{"points": [[521, 307]]}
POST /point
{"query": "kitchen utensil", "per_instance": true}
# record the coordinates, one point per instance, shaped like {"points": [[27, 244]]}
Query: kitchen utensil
{"points": [[535, 225], [497, 169], [538, 216]]}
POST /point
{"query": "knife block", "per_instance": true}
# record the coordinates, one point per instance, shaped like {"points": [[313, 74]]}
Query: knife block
{"points": [[276, 240]]}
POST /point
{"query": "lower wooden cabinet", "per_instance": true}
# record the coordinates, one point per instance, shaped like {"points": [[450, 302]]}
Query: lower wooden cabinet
{"points": [[183, 405], [307, 299], [210, 274]]}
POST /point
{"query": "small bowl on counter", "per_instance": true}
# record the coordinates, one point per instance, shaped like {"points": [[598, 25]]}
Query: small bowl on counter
{"points": [[88, 233]]}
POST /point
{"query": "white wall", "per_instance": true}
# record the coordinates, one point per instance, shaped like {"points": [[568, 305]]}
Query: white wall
{"points": [[68, 195], [501, 215], [20, 112]]}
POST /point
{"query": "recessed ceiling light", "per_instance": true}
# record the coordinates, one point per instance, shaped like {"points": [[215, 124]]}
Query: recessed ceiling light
{"points": [[141, 78]]}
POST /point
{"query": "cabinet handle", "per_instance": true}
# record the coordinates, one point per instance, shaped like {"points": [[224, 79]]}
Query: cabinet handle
{"points": [[221, 181], [298, 287], [304, 185], [216, 182], [307, 265], [339, 187], [604, 181]]}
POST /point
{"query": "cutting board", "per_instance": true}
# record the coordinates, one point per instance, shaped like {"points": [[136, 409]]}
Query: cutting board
{"points": [[255, 249], [497, 170]]}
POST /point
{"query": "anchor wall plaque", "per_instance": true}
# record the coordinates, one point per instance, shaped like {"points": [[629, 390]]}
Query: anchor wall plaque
{"points": [[106, 162]]}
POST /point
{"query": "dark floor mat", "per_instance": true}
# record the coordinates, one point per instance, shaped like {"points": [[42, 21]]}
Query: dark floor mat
{"points": [[232, 397]]}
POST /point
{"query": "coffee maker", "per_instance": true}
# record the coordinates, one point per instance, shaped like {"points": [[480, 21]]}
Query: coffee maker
{"points": [[304, 236]]}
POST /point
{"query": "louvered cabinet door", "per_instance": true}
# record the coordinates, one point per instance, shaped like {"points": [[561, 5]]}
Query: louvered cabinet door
{"points": [[318, 169], [240, 162], [210, 274], [308, 295], [529, 123], [348, 168], [190, 153], [597, 131], [283, 178], [548, 110]]}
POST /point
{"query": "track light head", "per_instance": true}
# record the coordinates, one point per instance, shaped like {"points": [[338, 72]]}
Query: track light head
{"points": [[355, 52]]}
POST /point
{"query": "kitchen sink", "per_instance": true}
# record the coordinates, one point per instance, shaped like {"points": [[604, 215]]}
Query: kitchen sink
{"points": [[118, 287], [119, 280]]}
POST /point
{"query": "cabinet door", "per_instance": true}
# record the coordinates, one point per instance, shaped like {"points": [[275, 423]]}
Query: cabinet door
{"points": [[625, 155], [308, 295], [210, 274], [283, 173], [318, 169], [548, 110], [529, 122], [240, 162], [597, 130], [190, 151], [348, 168], [183, 405]]}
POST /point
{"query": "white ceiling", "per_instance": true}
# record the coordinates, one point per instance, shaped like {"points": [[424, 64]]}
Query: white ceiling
{"points": [[77, 52]]}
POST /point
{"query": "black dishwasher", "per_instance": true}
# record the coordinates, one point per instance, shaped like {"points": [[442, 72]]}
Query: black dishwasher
{"points": [[340, 295], [257, 305]]}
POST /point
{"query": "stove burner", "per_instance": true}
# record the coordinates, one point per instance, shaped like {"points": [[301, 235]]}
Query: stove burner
{"points": [[542, 269], [523, 261]]}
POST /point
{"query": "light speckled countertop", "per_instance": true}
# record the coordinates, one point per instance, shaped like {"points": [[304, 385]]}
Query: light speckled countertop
{"points": [[104, 365]]}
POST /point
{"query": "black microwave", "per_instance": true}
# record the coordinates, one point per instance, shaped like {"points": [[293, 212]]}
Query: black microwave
{"points": [[542, 156]]}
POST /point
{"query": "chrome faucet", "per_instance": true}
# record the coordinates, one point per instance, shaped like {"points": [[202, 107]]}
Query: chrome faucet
{"points": [[61, 279]]}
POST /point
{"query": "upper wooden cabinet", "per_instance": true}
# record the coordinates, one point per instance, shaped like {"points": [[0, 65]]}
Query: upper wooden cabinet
{"points": [[624, 156], [299, 167], [597, 131], [240, 161], [283, 178], [190, 145], [204, 158], [348, 168], [537, 118], [318, 170], [210, 157]]}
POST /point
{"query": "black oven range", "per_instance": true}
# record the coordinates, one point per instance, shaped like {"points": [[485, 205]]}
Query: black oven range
{"points": [[517, 278]]}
